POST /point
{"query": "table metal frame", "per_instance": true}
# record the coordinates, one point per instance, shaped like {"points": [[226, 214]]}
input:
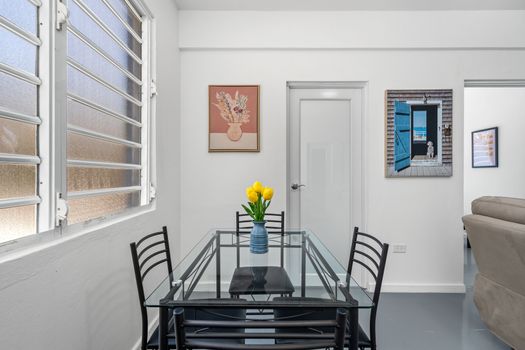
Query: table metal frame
{"points": [[212, 249]]}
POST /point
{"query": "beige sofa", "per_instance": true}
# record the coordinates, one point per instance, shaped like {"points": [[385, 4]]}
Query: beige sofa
{"points": [[496, 230]]}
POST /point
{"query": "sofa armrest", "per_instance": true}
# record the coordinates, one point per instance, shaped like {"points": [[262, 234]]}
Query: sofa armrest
{"points": [[499, 250]]}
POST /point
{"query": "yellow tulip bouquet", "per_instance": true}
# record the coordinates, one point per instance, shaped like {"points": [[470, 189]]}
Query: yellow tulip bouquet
{"points": [[259, 199]]}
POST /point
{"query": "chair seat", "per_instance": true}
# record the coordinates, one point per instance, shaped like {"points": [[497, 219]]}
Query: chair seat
{"points": [[249, 280]]}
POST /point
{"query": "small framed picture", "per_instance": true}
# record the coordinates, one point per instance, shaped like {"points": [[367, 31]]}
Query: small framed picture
{"points": [[485, 148], [233, 118]]}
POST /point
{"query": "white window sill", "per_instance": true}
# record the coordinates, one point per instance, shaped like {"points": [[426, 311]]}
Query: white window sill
{"points": [[18, 248]]}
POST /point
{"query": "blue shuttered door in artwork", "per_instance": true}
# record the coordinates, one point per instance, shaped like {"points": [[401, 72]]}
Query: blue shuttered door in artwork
{"points": [[401, 135]]}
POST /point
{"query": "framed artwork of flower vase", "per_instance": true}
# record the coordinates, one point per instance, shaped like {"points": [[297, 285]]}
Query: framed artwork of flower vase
{"points": [[233, 118]]}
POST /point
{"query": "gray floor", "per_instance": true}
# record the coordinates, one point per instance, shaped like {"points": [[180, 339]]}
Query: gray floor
{"points": [[430, 321], [434, 321]]}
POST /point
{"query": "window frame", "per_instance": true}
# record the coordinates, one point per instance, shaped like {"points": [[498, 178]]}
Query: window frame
{"points": [[52, 130], [20, 117]]}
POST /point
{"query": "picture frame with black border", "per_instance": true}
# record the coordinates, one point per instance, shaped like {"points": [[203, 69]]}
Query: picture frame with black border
{"points": [[488, 139]]}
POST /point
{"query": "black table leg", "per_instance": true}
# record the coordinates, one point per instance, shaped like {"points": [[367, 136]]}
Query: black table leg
{"points": [[218, 265], [163, 328], [238, 249], [303, 265], [353, 314]]}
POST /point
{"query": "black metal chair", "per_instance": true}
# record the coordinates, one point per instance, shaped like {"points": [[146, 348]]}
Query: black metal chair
{"points": [[193, 334], [149, 253], [253, 280], [369, 252]]}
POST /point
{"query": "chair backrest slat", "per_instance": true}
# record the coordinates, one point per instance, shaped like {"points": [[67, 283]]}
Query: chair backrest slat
{"points": [[240, 224], [274, 227], [152, 266], [369, 247], [260, 324], [193, 344], [151, 256], [371, 237], [366, 267], [372, 260], [145, 249], [196, 333], [140, 241]]}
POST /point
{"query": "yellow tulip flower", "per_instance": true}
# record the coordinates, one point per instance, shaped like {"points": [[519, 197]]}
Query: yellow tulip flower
{"points": [[248, 190], [268, 193], [257, 187], [253, 197]]}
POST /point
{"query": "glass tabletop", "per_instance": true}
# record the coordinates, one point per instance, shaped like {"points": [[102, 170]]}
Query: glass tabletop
{"points": [[297, 270]]}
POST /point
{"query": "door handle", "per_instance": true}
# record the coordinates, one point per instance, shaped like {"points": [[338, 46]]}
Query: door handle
{"points": [[296, 186]]}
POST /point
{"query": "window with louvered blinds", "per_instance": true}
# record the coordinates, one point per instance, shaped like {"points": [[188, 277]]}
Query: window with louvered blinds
{"points": [[19, 118], [104, 108]]}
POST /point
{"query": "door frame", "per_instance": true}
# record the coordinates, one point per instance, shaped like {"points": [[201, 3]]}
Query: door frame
{"points": [[362, 154], [478, 83], [439, 104]]}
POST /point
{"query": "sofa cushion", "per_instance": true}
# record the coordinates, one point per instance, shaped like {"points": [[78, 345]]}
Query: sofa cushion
{"points": [[503, 208]]}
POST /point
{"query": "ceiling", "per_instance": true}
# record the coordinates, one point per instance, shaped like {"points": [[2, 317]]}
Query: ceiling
{"points": [[350, 5]]}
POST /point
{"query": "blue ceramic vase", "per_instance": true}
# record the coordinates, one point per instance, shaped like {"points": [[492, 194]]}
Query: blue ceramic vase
{"points": [[259, 238]]}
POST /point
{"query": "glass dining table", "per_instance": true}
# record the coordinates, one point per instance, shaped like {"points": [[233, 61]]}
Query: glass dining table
{"points": [[298, 271]]}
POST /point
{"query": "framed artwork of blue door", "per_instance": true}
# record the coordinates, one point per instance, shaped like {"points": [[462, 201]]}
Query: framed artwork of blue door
{"points": [[418, 138]]}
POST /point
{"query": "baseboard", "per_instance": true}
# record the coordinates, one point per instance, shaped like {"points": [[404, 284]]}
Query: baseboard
{"points": [[421, 288], [152, 326]]}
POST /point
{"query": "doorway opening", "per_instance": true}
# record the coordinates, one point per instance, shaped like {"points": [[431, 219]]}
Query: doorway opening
{"points": [[492, 104], [424, 133], [425, 126]]}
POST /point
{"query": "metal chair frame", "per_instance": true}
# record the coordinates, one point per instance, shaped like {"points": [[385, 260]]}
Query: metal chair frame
{"points": [[145, 260], [199, 337], [374, 262]]}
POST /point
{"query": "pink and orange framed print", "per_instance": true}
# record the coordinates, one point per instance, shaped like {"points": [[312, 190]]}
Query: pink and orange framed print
{"points": [[233, 118]]}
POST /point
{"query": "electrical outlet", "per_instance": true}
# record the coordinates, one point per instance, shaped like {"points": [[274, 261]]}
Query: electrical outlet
{"points": [[399, 248]]}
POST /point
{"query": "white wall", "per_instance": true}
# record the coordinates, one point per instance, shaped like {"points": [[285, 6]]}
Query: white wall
{"points": [[81, 294], [486, 108], [271, 48], [352, 30]]}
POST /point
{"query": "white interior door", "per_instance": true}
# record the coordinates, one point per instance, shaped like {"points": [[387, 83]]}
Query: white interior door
{"points": [[324, 160]]}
